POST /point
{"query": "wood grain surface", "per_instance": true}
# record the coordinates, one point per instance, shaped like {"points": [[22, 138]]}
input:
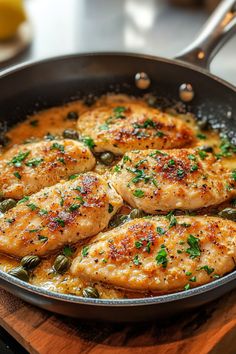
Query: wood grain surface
{"points": [[211, 329]]}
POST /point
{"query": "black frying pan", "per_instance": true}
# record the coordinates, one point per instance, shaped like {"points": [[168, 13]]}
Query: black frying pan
{"points": [[39, 85]]}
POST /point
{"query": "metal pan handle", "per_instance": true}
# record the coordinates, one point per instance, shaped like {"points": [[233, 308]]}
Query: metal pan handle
{"points": [[220, 26]]}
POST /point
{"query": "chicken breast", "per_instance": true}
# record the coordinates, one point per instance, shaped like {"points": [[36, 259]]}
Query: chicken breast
{"points": [[183, 179], [58, 215], [160, 254], [25, 169], [133, 126]]}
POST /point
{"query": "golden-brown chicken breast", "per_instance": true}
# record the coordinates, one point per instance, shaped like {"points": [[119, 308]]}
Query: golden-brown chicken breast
{"points": [[133, 126], [25, 169], [160, 254], [154, 180], [57, 215]]}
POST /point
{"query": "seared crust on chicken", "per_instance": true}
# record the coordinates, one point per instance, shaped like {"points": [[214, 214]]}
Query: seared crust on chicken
{"points": [[133, 126], [160, 254], [58, 215], [154, 180], [25, 169]]}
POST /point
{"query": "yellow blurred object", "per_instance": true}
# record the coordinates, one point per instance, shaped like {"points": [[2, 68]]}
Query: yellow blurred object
{"points": [[12, 14]]}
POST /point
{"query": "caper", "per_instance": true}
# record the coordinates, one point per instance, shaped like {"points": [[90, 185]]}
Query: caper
{"points": [[7, 204], [107, 158], [30, 262], [72, 115], [61, 264], [118, 220], [203, 123], [206, 148], [20, 273], [228, 213], [70, 134], [136, 213], [90, 292]]}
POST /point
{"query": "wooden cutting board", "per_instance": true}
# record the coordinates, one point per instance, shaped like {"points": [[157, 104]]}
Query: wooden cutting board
{"points": [[211, 329]]}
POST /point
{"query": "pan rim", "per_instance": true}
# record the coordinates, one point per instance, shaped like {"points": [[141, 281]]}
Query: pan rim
{"points": [[74, 299], [79, 300], [31, 63]]}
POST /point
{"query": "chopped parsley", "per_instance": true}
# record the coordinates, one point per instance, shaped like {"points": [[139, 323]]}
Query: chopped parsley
{"points": [[202, 154], [43, 212], [171, 163], [234, 175], [62, 160], [180, 173], [194, 168], [34, 162], [104, 126], [161, 257], [68, 251], [17, 175], [60, 221], [160, 230], [42, 238], [17, 160], [160, 134], [136, 260], [57, 146], [188, 273], [32, 206], [207, 269], [193, 279], [138, 193], [85, 251], [187, 287], [74, 207], [138, 244], [119, 111], [126, 158], [227, 149], [194, 249], [117, 169], [201, 136], [73, 176], [23, 200], [89, 142], [192, 157], [172, 219]]}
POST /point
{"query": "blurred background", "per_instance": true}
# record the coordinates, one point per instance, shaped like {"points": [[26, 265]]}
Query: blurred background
{"points": [[157, 27]]}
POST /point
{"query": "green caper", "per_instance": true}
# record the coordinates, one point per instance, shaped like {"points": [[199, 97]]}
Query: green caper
{"points": [[7, 204], [90, 292], [206, 148], [228, 213], [20, 273], [30, 262], [203, 123], [61, 264], [72, 115], [70, 134], [136, 213], [107, 158], [118, 220]]}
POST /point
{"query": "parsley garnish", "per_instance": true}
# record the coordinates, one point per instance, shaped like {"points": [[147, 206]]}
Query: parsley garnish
{"points": [[201, 136], [117, 169], [57, 146], [171, 163], [207, 269], [161, 257], [187, 287], [138, 193], [42, 238], [85, 251], [194, 250], [43, 212], [61, 160], [34, 162], [136, 260], [194, 168], [202, 154], [17, 175], [60, 221], [126, 158], [180, 173], [172, 219], [193, 279], [73, 176], [119, 110], [74, 207], [16, 160], [88, 142], [234, 175], [192, 157], [32, 206], [23, 200], [160, 230], [68, 251]]}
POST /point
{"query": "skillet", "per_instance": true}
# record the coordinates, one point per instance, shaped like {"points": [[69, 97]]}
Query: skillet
{"points": [[34, 86]]}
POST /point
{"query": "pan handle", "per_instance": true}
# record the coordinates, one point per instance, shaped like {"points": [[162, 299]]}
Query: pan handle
{"points": [[220, 26]]}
